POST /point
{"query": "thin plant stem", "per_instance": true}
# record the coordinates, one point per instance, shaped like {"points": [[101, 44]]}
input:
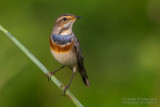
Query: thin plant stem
{"points": [[41, 66]]}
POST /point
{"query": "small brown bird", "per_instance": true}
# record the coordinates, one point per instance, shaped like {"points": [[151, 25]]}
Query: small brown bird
{"points": [[65, 47]]}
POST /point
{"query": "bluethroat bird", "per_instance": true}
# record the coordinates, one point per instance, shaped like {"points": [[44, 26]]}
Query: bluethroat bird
{"points": [[66, 49]]}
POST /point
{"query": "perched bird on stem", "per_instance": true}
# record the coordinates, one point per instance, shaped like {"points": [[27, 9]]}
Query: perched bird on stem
{"points": [[65, 47]]}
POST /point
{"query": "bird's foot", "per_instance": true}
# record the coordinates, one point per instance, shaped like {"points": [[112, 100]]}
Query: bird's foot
{"points": [[49, 74], [65, 89]]}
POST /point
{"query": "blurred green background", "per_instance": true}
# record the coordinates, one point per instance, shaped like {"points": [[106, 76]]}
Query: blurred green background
{"points": [[120, 41]]}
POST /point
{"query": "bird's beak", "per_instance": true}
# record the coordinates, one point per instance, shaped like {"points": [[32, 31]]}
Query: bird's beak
{"points": [[77, 17]]}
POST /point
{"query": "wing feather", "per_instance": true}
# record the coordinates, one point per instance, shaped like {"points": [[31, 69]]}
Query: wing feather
{"points": [[80, 58]]}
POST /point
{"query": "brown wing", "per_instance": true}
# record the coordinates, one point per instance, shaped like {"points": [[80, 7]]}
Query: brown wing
{"points": [[79, 55]]}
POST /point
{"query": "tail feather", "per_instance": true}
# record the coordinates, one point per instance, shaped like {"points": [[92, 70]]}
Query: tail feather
{"points": [[84, 76]]}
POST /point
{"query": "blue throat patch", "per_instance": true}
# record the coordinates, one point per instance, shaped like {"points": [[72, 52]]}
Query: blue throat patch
{"points": [[61, 39]]}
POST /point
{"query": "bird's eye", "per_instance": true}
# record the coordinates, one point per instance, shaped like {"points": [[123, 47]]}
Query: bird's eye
{"points": [[64, 19]]}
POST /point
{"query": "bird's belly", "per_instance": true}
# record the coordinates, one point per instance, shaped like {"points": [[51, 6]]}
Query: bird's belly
{"points": [[65, 58]]}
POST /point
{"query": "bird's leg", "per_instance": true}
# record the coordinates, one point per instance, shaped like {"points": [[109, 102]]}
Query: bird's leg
{"points": [[56, 70], [66, 87], [52, 73]]}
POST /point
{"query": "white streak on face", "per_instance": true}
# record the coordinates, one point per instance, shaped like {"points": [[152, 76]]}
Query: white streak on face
{"points": [[69, 30], [67, 24]]}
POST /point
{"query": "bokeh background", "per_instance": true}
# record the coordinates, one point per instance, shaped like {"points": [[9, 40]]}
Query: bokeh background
{"points": [[120, 40]]}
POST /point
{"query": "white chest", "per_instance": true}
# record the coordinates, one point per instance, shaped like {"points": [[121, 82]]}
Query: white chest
{"points": [[65, 58]]}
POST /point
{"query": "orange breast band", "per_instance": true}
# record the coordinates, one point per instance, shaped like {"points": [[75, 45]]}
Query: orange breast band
{"points": [[60, 48]]}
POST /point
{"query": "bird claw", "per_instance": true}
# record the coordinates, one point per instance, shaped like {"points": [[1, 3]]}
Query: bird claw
{"points": [[64, 91], [49, 74]]}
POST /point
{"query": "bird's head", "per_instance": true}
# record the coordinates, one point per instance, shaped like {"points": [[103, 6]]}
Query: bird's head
{"points": [[64, 23]]}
